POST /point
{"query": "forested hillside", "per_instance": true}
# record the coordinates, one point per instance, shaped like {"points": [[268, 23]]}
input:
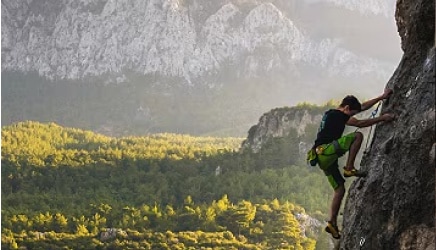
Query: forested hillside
{"points": [[68, 187]]}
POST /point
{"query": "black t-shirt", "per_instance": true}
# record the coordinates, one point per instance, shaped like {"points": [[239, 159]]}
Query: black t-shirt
{"points": [[332, 126]]}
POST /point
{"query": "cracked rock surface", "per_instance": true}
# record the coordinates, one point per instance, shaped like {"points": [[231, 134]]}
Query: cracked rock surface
{"points": [[394, 206]]}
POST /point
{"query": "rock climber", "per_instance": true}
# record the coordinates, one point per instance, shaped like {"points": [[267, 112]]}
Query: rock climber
{"points": [[330, 144]]}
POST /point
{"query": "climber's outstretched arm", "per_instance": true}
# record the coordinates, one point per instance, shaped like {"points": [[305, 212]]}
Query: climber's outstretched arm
{"points": [[368, 104], [369, 122]]}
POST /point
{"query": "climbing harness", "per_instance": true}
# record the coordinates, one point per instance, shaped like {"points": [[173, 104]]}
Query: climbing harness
{"points": [[312, 155]]}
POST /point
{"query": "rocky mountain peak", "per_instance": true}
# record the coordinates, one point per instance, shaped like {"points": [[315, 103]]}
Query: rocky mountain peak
{"points": [[78, 39]]}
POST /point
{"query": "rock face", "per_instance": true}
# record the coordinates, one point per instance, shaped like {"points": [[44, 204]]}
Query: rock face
{"points": [[394, 207]]}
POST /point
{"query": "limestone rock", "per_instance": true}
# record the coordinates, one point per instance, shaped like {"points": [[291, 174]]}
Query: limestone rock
{"points": [[394, 207], [185, 39], [278, 123]]}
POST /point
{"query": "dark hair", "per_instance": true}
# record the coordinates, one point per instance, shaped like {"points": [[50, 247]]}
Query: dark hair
{"points": [[352, 102]]}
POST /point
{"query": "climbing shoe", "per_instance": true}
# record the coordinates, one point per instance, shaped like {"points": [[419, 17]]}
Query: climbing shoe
{"points": [[333, 230], [354, 172]]}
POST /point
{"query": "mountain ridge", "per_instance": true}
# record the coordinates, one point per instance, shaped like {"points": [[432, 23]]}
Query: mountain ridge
{"points": [[126, 67], [76, 43]]}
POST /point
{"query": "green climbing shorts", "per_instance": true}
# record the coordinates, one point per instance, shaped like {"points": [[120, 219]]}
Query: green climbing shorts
{"points": [[334, 176], [328, 158]]}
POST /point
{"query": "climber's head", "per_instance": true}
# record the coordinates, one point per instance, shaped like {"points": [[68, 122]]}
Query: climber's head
{"points": [[350, 105]]}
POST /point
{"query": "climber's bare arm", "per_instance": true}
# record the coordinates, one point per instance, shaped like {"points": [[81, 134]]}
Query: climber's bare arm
{"points": [[369, 122], [368, 104]]}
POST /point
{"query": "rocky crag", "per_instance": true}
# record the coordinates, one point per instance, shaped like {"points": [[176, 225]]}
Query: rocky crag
{"points": [[281, 122], [394, 207]]}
